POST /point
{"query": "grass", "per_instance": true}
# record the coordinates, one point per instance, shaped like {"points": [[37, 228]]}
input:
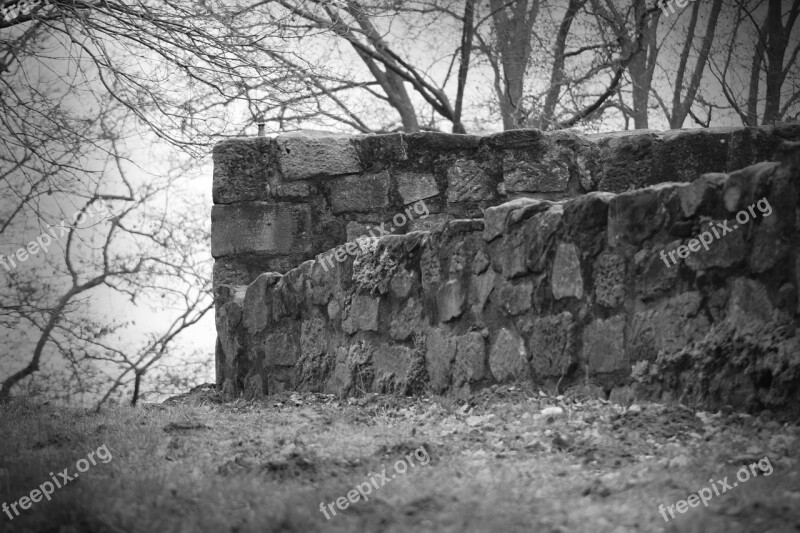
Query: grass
{"points": [[497, 464]]}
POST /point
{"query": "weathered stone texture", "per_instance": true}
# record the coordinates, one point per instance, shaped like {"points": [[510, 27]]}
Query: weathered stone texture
{"points": [[308, 157], [260, 227], [360, 194], [416, 186], [579, 292], [508, 358], [468, 182]]}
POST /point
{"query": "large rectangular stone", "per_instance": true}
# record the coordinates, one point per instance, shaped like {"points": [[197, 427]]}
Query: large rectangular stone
{"points": [[241, 168], [414, 186], [360, 194], [683, 155], [302, 157], [548, 172], [604, 346], [260, 227]]}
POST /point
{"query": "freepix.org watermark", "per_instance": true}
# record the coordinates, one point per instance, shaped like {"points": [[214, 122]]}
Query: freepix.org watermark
{"points": [[719, 487], [47, 488], [43, 241], [363, 490], [667, 5], [718, 230], [400, 219]]}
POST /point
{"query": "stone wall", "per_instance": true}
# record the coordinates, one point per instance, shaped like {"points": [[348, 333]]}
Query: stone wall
{"points": [[567, 292], [279, 202]]}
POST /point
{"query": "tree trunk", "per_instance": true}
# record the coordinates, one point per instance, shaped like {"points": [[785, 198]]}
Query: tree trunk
{"points": [[681, 105], [514, 43], [463, 69], [548, 115]]}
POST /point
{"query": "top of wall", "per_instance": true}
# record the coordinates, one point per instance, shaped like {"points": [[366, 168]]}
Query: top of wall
{"points": [[516, 163]]}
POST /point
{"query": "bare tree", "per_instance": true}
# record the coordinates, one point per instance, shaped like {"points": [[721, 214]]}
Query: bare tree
{"points": [[760, 79]]}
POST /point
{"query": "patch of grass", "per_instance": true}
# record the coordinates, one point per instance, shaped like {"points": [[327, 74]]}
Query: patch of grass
{"points": [[496, 464]]}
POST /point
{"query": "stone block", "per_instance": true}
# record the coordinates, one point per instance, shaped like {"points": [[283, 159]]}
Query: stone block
{"points": [[702, 195], [626, 160], [407, 321], [498, 218], [481, 287], [515, 298], [683, 155], [468, 182], [301, 157], [293, 191], [723, 252], [654, 276], [470, 360], [361, 314], [566, 278], [430, 267], [257, 304], [260, 227], [434, 141], [281, 348], [514, 251], [391, 361], [586, 220], [634, 216], [769, 243], [532, 139], [313, 337], [552, 345], [360, 229], [749, 303], [440, 352], [748, 145], [550, 173], [241, 170], [378, 152], [542, 230], [433, 222], [667, 328], [508, 358], [403, 282], [604, 346], [414, 186], [360, 194], [609, 279], [450, 300]]}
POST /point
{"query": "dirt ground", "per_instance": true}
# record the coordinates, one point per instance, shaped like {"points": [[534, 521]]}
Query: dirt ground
{"points": [[512, 459]]}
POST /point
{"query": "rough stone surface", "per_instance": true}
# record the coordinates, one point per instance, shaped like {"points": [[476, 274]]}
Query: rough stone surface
{"points": [[552, 345], [468, 182], [360, 194], [508, 359], [470, 360], [604, 346], [432, 222], [413, 186], [362, 314], [440, 352], [580, 283], [308, 157], [407, 321], [451, 299], [566, 277], [522, 173], [609, 279], [260, 227], [241, 170]]}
